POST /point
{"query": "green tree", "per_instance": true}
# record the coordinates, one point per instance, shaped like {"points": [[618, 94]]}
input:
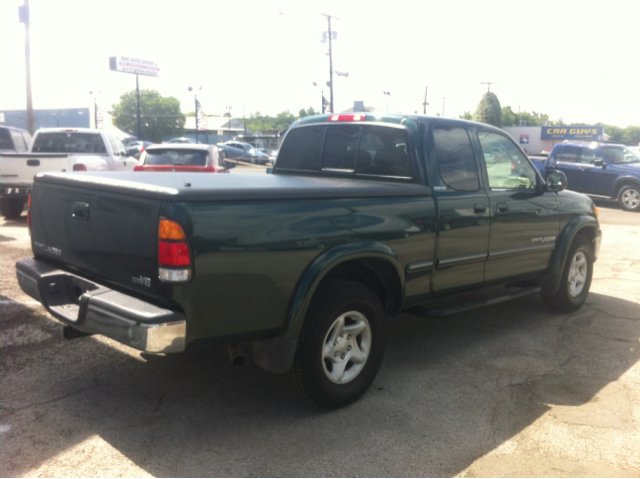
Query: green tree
{"points": [[160, 117], [466, 116], [508, 116], [631, 135], [310, 112], [489, 110]]}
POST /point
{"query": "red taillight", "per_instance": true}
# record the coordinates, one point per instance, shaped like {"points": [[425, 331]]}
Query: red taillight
{"points": [[210, 169], [174, 256], [347, 118], [79, 167], [513, 167], [138, 168]]}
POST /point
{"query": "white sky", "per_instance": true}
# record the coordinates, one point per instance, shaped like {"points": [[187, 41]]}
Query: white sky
{"points": [[572, 60]]}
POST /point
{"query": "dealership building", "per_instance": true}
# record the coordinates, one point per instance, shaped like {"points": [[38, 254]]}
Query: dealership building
{"points": [[536, 139]]}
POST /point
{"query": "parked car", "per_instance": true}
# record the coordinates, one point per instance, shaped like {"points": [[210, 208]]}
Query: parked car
{"points": [[58, 149], [598, 168], [272, 154], [363, 217], [246, 152], [182, 157], [135, 148]]}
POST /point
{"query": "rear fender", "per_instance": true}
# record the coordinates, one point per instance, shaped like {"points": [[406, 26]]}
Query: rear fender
{"points": [[325, 263], [550, 281]]}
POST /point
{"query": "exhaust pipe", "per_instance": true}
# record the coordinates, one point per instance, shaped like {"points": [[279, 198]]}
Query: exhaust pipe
{"points": [[236, 354]]}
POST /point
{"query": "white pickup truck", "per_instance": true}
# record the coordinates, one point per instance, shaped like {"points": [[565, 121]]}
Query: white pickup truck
{"points": [[58, 149]]}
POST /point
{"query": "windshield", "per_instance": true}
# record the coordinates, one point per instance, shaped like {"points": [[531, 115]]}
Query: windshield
{"points": [[176, 157], [69, 142], [620, 154]]}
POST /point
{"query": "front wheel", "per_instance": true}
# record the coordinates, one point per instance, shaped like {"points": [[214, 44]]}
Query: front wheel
{"points": [[576, 278], [341, 345], [629, 198]]}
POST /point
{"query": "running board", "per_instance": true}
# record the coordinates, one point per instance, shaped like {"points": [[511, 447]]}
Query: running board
{"points": [[442, 313]]}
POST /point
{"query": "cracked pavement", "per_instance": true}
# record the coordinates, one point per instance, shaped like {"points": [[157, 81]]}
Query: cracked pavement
{"points": [[508, 390]]}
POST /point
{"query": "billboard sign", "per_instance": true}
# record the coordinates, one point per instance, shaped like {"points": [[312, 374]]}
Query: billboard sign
{"points": [[524, 139], [134, 65], [572, 133]]}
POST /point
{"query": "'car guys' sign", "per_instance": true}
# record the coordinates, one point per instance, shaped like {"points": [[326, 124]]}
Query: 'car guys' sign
{"points": [[134, 65], [572, 133]]}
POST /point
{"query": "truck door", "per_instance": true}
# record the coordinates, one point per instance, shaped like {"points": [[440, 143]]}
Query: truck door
{"points": [[567, 160], [524, 216], [463, 210]]}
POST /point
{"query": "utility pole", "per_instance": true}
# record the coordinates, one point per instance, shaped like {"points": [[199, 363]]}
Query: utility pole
{"points": [[443, 99], [329, 17], [24, 15], [425, 104], [488, 83], [138, 99]]}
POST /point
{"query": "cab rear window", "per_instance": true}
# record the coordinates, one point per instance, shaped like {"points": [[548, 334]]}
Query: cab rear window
{"points": [[69, 142], [175, 157], [366, 150]]}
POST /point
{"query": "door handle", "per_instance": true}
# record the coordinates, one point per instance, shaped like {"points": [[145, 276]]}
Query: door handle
{"points": [[479, 208], [503, 207]]}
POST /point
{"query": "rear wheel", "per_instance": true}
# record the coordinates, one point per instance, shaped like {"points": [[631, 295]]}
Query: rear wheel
{"points": [[629, 197], [341, 345], [576, 278], [11, 208]]}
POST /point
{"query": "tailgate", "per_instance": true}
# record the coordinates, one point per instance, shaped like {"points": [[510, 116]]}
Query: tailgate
{"points": [[18, 169], [110, 235]]}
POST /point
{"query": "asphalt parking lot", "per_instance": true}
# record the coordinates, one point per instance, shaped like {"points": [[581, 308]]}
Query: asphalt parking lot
{"points": [[508, 390]]}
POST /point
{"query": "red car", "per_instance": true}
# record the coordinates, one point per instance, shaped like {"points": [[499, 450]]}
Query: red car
{"points": [[184, 157]]}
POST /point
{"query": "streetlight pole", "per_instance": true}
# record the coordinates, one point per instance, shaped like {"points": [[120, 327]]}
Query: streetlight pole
{"points": [[387, 94], [24, 14], [329, 17]]}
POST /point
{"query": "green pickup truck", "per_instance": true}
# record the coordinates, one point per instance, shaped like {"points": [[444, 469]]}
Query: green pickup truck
{"points": [[364, 216]]}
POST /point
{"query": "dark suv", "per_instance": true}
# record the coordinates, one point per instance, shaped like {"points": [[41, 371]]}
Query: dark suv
{"points": [[600, 169]]}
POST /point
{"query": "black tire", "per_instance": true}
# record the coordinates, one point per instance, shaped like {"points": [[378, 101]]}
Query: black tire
{"points": [[11, 208], [576, 278], [314, 374], [629, 198]]}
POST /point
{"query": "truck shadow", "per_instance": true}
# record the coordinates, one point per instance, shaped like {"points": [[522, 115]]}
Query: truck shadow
{"points": [[449, 392]]}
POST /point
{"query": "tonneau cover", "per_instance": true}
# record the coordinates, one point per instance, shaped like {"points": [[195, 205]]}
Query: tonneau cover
{"points": [[178, 186]]}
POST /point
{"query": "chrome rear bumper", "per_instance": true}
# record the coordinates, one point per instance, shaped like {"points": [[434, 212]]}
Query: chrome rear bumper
{"points": [[95, 309]]}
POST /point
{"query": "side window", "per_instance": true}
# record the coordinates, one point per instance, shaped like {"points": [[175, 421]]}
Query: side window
{"points": [[301, 149], [507, 167], [18, 141], [589, 156], [5, 140], [341, 148], [114, 144], [568, 154], [457, 164]]}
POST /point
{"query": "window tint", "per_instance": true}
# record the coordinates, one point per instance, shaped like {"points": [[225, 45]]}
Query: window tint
{"points": [[568, 154], [507, 167], [457, 164], [341, 148], [362, 149], [5, 140], [302, 149], [69, 142], [384, 152], [176, 157]]}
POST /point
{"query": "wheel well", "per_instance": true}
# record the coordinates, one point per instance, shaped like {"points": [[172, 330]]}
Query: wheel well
{"points": [[626, 182], [378, 275]]}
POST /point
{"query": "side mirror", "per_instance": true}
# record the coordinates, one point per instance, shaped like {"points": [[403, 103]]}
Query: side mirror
{"points": [[556, 181], [600, 163]]}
